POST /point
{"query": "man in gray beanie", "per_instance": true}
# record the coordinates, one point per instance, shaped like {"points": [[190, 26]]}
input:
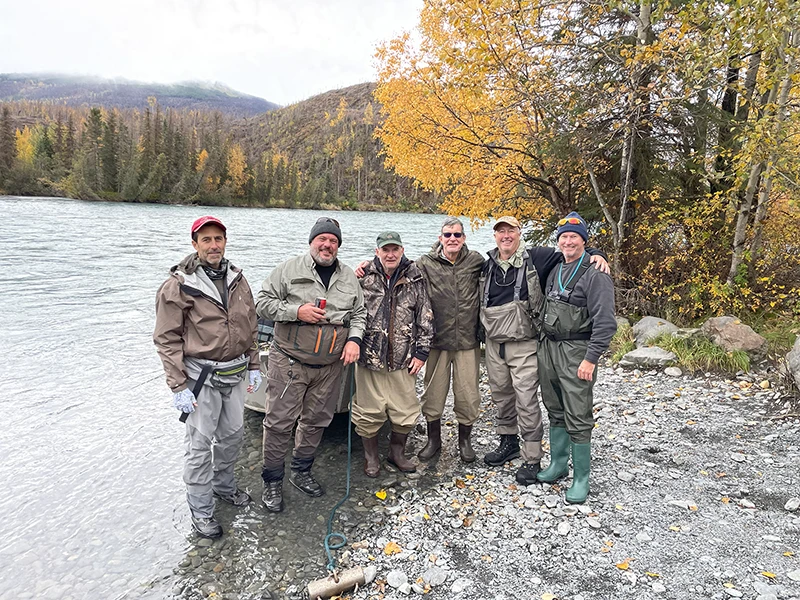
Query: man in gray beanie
{"points": [[312, 345]]}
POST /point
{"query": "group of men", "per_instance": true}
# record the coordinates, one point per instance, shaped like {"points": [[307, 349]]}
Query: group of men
{"points": [[544, 316]]}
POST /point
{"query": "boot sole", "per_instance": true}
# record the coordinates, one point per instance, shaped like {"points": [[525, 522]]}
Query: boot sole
{"points": [[511, 456], [306, 492], [426, 456], [552, 479], [209, 536], [272, 510]]}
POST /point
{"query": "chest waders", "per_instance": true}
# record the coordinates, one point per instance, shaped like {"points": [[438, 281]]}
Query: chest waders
{"points": [[566, 330]]}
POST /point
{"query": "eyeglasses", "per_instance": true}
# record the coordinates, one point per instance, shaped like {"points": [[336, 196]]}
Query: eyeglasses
{"points": [[455, 234], [328, 220], [571, 221]]}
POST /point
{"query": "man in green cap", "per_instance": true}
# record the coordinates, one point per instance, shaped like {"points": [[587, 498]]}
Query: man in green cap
{"points": [[577, 328], [396, 343]]}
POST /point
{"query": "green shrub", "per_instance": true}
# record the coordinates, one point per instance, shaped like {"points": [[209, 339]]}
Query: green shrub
{"points": [[701, 354], [622, 343]]}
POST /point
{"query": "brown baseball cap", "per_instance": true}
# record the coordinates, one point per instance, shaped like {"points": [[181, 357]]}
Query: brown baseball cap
{"points": [[508, 220]]}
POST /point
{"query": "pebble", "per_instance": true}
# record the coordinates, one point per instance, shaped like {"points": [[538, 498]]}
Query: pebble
{"points": [[434, 576], [625, 476], [404, 588], [738, 457], [205, 542], [673, 371], [593, 523], [792, 504], [417, 589], [733, 592], [563, 528], [794, 575], [460, 585], [658, 588], [766, 597], [370, 572], [745, 503], [643, 537], [551, 501], [396, 578]]}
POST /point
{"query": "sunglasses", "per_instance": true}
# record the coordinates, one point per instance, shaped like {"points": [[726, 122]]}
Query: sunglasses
{"points": [[455, 234], [328, 220], [571, 221]]}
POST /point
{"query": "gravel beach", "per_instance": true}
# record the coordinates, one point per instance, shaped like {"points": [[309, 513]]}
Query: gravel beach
{"points": [[695, 494]]}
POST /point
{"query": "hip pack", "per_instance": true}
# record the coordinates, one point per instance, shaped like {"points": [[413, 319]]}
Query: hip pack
{"points": [[311, 344]]}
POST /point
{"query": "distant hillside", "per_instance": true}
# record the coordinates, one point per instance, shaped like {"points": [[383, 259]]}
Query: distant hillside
{"points": [[123, 94]]}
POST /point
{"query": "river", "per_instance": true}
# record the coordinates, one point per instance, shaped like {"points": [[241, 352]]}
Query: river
{"points": [[93, 503]]}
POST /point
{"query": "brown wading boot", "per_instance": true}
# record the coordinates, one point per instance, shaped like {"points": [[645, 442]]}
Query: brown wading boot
{"points": [[397, 446], [464, 443], [372, 460], [434, 440]]}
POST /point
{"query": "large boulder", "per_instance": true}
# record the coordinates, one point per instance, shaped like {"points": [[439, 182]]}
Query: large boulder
{"points": [[648, 357], [731, 334], [793, 362], [649, 328]]}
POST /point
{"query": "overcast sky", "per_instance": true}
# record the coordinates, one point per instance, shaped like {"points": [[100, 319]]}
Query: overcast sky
{"points": [[282, 51]]}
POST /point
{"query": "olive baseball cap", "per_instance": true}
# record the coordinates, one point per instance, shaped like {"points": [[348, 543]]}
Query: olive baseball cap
{"points": [[389, 237], [507, 220]]}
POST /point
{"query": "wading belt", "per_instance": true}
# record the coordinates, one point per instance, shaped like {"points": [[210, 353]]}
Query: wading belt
{"points": [[201, 379], [570, 336], [289, 356]]}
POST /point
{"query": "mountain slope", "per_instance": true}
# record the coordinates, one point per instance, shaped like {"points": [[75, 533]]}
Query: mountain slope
{"points": [[123, 94]]}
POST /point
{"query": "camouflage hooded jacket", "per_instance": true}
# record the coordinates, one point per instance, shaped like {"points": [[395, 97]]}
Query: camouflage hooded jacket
{"points": [[399, 317]]}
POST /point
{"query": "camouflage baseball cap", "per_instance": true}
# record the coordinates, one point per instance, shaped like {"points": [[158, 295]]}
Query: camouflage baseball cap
{"points": [[389, 237]]}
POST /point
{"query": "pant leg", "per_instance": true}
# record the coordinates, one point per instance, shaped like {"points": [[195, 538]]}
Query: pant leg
{"points": [[229, 437], [319, 404], [282, 409], [369, 403], [437, 384], [466, 393], [502, 388], [521, 358], [402, 406], [550, 386], [198, 462], [577, 393]]}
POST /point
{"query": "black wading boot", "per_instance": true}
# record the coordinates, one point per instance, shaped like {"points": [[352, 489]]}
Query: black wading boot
{"points": [[372, 460], [465, 443], [434, 444], [526, 474], [305, 482], [507, 450], [397, 457], [273, 495]]}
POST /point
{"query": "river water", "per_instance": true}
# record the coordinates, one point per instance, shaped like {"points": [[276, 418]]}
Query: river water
{"points": [[93, 503]]}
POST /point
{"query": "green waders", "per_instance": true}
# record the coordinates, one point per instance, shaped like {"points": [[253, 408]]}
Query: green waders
{"points": [[567, 398]]}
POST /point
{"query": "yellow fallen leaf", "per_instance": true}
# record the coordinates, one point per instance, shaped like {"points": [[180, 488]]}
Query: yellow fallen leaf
{"points": [[650, 574], [549, 596], [623, 566], [768, 574], [486, 558], [609, 543], [381, 494], [690, 422], [460, 484], [721, 474], [392, 548], [727, 584], [692, 507], [619, 507], [725, 500], [370, 557], [426, 516], [674, 528], [703, 472], [604, 549], [470, 477], [788, 553]]}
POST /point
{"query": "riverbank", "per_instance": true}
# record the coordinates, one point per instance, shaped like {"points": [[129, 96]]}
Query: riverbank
{"points": [[695, 487]]}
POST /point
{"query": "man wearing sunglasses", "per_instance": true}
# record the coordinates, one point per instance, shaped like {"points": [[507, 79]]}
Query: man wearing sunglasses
{"points": [[577, 328], [314, 341], [451, 272], [512, 298]]}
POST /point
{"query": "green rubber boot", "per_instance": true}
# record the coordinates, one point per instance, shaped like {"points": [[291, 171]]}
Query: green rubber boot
{"points": [[559, 456], [581, 459]]}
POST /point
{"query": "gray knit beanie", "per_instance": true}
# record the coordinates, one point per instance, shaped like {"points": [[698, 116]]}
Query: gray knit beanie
{"points": [[326, 225]]}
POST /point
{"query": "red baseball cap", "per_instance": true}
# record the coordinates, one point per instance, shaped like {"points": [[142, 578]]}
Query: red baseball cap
{"points": [[207, 220]]}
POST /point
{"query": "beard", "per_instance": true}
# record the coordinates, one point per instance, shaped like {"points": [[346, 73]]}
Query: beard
{"points": [[322, 262]]}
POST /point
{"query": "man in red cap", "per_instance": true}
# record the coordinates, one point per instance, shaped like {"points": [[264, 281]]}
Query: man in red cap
{"points": [[205, 334]]}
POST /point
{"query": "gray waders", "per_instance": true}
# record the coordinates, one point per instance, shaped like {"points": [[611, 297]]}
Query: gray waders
{"points": [[214, 432], [511, 348]]}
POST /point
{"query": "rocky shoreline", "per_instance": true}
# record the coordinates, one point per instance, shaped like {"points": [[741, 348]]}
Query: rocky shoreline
{"points": [[695, 494]]}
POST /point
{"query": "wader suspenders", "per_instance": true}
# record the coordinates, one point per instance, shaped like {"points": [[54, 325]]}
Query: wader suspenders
{"points": [[564, 296], [517, 287], [201, 379]]}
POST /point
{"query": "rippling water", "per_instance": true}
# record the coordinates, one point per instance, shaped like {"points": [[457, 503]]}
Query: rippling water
{"points": [[92, 502]]}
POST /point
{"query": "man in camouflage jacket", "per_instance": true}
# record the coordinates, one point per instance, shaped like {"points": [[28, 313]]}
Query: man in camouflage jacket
{"points": [[395, 346]]}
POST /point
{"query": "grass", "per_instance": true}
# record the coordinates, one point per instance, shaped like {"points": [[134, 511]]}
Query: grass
{"points": [[701, 354], [621, 343]]}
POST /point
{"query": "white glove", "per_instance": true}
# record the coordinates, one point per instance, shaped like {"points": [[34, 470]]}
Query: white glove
{"points": [[255, 380], [184, 401]]}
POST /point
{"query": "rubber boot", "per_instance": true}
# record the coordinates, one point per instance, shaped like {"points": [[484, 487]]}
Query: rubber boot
{"points": [[434, 444], [465, 443], [581, 459], [507, 450], [559, 456], [372, 460], [397, 446]]}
